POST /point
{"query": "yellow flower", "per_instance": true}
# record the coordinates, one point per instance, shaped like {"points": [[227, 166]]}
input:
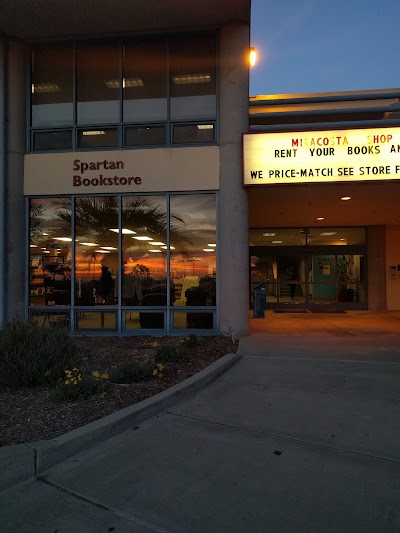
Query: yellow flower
{"points": [[105, 375], [75, 382], [160, 366], [154, 344], [67, 382], [79, 378], [75, 369], [96, 374], [155, 372], [160, 375], [68, 372]]}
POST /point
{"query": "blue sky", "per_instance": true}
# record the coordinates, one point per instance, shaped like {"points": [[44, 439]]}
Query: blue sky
{"points": [[313, 46]]}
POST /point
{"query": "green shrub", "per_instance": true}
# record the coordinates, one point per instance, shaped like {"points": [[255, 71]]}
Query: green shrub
{"points": [[31, 354], [132, 372], [171, 354], [191, 341], [76, 387]]}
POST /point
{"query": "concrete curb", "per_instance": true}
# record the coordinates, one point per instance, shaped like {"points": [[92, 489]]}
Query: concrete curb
{"points": [[17, 464], [54, 451]]}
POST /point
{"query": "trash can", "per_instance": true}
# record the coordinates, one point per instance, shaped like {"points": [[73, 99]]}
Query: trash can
{"points": [[259, 300]]}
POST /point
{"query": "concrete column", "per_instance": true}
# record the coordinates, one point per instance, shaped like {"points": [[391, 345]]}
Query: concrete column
{"points": [[233, 220], [15, 207], [376, 243], [2, 177]]}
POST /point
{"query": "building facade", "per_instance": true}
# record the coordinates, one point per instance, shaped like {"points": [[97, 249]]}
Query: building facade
{"points": [[141, 192]]}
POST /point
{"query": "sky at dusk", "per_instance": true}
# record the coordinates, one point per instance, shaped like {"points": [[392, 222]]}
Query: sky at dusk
{"points": [[308, 46]]}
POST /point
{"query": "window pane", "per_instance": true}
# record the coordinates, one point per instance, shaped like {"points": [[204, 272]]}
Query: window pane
{"points": [[52, 69], [96, 256], [193, 321], [193, 248], [193, 133], [144, 320], [98, 77], [49, 319], [96, 320], [145, 136], [193, 78], [50, 251], [52, 140], [104, 138], [145, 81], [144, 234]]}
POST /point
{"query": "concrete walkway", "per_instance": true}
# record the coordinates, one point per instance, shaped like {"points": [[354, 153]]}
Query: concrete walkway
{"points": [[302, 434]]}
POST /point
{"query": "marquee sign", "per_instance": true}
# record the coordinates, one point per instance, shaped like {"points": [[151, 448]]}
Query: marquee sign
{"points": [[321, 156]]}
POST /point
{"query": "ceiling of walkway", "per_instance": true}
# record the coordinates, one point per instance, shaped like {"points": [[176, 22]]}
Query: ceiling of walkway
{"points": [[46, 19]]}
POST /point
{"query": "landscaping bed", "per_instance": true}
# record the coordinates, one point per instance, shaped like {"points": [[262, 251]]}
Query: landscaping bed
{"points": [[30, 413]]}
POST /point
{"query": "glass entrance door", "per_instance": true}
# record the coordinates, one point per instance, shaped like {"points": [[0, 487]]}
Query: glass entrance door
{"points": [[313, 281]]}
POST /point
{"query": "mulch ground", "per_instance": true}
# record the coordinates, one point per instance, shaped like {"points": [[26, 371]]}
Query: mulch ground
{"points": [[29, 414]]}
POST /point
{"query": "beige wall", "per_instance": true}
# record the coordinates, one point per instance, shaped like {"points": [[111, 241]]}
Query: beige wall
{"points": [[392, 259], [376, 262]]}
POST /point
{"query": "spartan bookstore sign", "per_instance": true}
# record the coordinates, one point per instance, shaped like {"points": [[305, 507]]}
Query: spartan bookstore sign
{"points": [[321, 156]]}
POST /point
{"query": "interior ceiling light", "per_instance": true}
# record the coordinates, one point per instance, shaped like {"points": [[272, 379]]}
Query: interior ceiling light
{"points": [[88, 244], [125, 231], [186, 79], [166, 247], [46, 251], [45, 88], [208, 250], [277, 242], [155, 250], [143, 238], [126, 83], [158, 243], [320, 218], [205, 126], [346, 198], [269, 234], [33, 245], [44, 233], [94, 132], [342, 239], [66, 239], [103, 251], [108, 248], [326, 233], [212, 245]]}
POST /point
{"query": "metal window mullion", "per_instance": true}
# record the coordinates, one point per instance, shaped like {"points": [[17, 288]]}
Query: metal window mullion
{"points": [[121, 96], [169, 313], [168, 125], [120, 267], [27, 258], [217, 237], [73, 255], [74, 98]]}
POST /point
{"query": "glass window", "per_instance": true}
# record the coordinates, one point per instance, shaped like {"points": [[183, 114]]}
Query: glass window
{"points": [[104, 137], [49, 319], [96, 320], [144, 136], [193, 78], [52, 140], [52, 75], [98, 82], [193, 320], [50, 251], [193, 248], [193, 133], [96, 256], [144, 320], [145, 81], [144, 255], [306, 236]]}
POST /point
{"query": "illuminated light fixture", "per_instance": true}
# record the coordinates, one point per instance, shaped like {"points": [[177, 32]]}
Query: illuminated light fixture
{"points": [[269, 234], [94, 132], [44, 233], [108, 248], [277, 242], [88, 244], [186, 79], [320, 218], [205, 126], [126, 83], [166, 247], [212, 245], [158, 243], [155, 251], [45, 88], [342, 239], [125, 231], [103, 251], [46, 251], [208, 250], [33, 246], [142, 238], [326, 233], [66, 239], [344, 198], [252, 56]]}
